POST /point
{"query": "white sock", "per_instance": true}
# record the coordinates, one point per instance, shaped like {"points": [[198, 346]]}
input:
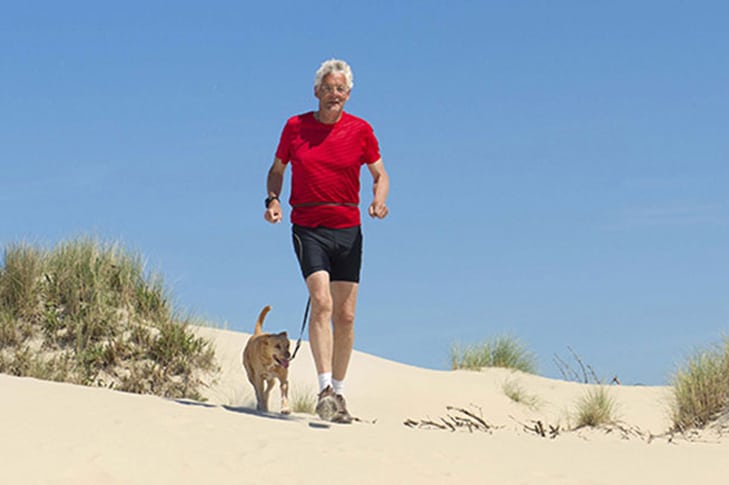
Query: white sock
{"points": [[338, 387], [325, 379]]}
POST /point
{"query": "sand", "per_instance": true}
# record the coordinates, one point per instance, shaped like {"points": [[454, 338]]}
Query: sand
{"points": [[56, 433]]}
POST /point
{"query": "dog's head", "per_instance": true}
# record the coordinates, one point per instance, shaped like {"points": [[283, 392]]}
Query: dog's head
{"points": [[277, 347]]}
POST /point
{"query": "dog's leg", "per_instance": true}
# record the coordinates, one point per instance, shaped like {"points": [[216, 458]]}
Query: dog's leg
{"points": [[267, 391], [285, 397], [255, 380], [261, 395]]}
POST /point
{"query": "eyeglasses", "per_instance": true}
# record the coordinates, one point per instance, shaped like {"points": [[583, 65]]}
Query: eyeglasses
{"points": [[329, 89]]}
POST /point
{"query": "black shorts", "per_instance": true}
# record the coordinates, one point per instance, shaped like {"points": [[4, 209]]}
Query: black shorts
{"points": [[336, 251]]}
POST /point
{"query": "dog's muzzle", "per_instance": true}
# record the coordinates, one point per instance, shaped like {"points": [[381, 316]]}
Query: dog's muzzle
{"points": [[283, 362]]}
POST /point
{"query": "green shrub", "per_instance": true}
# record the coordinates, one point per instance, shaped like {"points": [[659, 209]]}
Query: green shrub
{"points": [[88, 313], [303, 401], [20, 280], [516, 393], [504, 351], [701, 388], [595, 408]]}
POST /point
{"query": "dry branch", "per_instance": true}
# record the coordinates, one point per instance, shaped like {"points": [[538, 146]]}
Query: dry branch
{"points": [[459, 418]]}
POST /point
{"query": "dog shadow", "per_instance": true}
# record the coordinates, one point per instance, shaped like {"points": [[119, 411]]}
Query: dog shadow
{"points": [[260, 414], [190, 402], [251, 412], [278, 417]]}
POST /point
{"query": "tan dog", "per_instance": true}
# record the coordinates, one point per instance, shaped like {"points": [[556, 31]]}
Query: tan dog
{"points": [[266, 358]]}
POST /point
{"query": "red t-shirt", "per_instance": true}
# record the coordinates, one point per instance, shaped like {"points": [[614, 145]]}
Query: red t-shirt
{"points": [[326, 161]]}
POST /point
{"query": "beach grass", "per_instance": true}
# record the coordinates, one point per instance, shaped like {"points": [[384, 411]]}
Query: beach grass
{"points": [[505, 351], [701, 388], [303, 400], [89, 312], [516, 392], [595, 408]]}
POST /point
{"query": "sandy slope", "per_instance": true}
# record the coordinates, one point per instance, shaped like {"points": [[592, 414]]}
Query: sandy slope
{"points": [[65, 434]]}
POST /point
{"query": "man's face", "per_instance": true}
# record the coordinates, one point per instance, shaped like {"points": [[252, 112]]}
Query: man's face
{"points": [[332, 93]]}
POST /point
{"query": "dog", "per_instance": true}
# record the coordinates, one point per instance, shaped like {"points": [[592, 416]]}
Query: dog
{"points": [[266, 358]]}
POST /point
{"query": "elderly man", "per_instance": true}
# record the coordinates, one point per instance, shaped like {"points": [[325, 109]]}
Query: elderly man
{"points": [[326, 149]]}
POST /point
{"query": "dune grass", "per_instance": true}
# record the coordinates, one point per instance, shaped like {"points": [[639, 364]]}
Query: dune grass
{"points": [[579, 371], [303, 400], [518, 394], [595, 408], [505, 351], [701, 388], [87, 312]]}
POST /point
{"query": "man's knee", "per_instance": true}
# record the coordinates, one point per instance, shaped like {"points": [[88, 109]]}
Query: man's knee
{"points": [[321, 296], [322, 305], [343, 317]]}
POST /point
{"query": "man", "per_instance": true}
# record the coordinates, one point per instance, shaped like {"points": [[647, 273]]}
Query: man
{"points": [[326, 149]]}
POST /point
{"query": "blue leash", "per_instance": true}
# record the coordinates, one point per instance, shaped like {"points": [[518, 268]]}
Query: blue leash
{"points": [[303, 326]]}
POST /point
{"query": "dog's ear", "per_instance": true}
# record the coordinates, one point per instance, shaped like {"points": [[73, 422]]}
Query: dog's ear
{"points": [[283, 334]]}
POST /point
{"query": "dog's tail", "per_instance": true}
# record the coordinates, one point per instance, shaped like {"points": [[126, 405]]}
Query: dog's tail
{"points": [[261, 317]]}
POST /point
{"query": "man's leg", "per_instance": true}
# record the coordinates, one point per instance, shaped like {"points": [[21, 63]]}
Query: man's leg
{"points": [[344, 299], [320, 340], [320, 330]]}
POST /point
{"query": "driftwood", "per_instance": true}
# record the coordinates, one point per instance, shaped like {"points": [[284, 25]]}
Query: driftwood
{"points": [[463, 419], [623, 430], [456, 419], [538, 428]]}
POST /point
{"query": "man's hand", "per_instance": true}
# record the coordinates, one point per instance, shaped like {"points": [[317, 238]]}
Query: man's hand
{"points": [[378, 210], [273, 213], [273, 190], [381, 187]]}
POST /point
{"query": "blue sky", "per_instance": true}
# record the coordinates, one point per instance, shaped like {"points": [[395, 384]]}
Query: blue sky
{"points": [[559, 169]]}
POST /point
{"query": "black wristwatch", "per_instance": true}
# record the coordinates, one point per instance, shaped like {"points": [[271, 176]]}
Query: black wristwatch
{"points": [[270, 199]]}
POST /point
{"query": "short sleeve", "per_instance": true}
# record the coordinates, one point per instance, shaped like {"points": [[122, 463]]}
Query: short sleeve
{"points": [[283, 151], [371, 146]]}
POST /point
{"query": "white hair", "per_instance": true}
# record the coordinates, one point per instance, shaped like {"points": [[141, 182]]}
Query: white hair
{"points": [[334, 66]]}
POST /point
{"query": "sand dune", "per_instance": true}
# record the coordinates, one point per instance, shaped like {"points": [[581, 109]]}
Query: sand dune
{"points": [[66, 434]]}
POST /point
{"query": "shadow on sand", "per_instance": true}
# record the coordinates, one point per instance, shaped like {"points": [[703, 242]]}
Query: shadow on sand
{"points": [[261, 414], [254, 412]]}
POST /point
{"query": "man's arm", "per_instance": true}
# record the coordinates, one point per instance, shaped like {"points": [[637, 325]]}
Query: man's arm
{"points": [[380, 188], [274, 183]]}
